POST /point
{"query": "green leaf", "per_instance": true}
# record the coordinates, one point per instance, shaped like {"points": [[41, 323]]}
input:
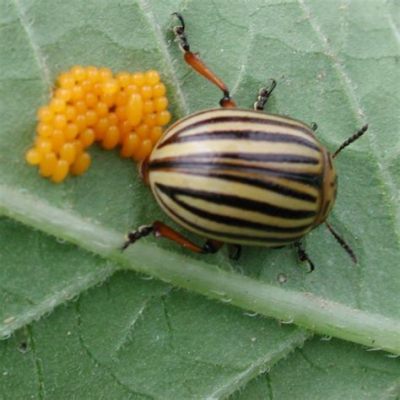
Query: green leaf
{"points": [[335, 63], [324, 370]]}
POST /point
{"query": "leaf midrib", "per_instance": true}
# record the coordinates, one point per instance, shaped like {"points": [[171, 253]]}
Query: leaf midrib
{"points": [[303, 309]]}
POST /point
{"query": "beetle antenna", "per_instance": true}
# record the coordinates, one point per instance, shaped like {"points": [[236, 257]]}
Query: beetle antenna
{"points": [[342, 243], [350, 140]]}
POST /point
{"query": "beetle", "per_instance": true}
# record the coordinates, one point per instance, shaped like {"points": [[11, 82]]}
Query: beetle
{"points": [[241, 177]]}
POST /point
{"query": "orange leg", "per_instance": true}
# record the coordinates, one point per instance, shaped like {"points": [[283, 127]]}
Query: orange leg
{"points": [[159, 229], [198, 65]]}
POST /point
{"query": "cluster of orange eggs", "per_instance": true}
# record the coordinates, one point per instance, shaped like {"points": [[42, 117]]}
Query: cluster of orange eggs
{"points": [[90, 104]]}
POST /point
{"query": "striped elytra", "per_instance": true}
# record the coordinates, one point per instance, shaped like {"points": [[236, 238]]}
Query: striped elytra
{"points": [[243, 177]]}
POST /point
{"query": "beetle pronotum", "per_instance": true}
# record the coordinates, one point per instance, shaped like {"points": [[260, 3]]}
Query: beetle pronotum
{"points": [[238, 176]]}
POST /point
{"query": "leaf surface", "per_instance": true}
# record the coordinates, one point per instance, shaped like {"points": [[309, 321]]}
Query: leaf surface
{"points": [[336, 64]]}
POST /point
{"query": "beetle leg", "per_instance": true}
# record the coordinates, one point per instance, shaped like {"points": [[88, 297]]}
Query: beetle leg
{"points": [[139, 233], [301, 253], [198, 65], [211, 246], [235, 250], [159, 229], [263, 96], [342, 242]]}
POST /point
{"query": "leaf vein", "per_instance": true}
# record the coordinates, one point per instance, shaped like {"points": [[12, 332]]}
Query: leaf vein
{"points": [[145, 6], [89, 353], [261, 365], [37, 53], [303, 308], [348, 87], [394, 28], [245, 59], [50, 302], [38, 363]]}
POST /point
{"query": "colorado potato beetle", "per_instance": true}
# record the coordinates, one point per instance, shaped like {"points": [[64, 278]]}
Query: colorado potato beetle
{"points": [[241, 177]]}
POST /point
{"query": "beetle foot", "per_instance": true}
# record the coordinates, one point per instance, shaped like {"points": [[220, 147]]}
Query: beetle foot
{"points": [[133, 236], [235, 251], [263, 95], [180, 35], [303, 256]]}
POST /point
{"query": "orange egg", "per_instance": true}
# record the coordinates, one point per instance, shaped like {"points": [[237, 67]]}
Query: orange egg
{"points": [[90, 104]]}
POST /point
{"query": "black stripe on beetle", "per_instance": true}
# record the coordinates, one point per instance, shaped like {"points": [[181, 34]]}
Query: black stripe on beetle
{"points": [[227, 235], [235, 201], [251, 136], [233, 221], [188, 163], [251, 120], [254, 157], [255, 182]]}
